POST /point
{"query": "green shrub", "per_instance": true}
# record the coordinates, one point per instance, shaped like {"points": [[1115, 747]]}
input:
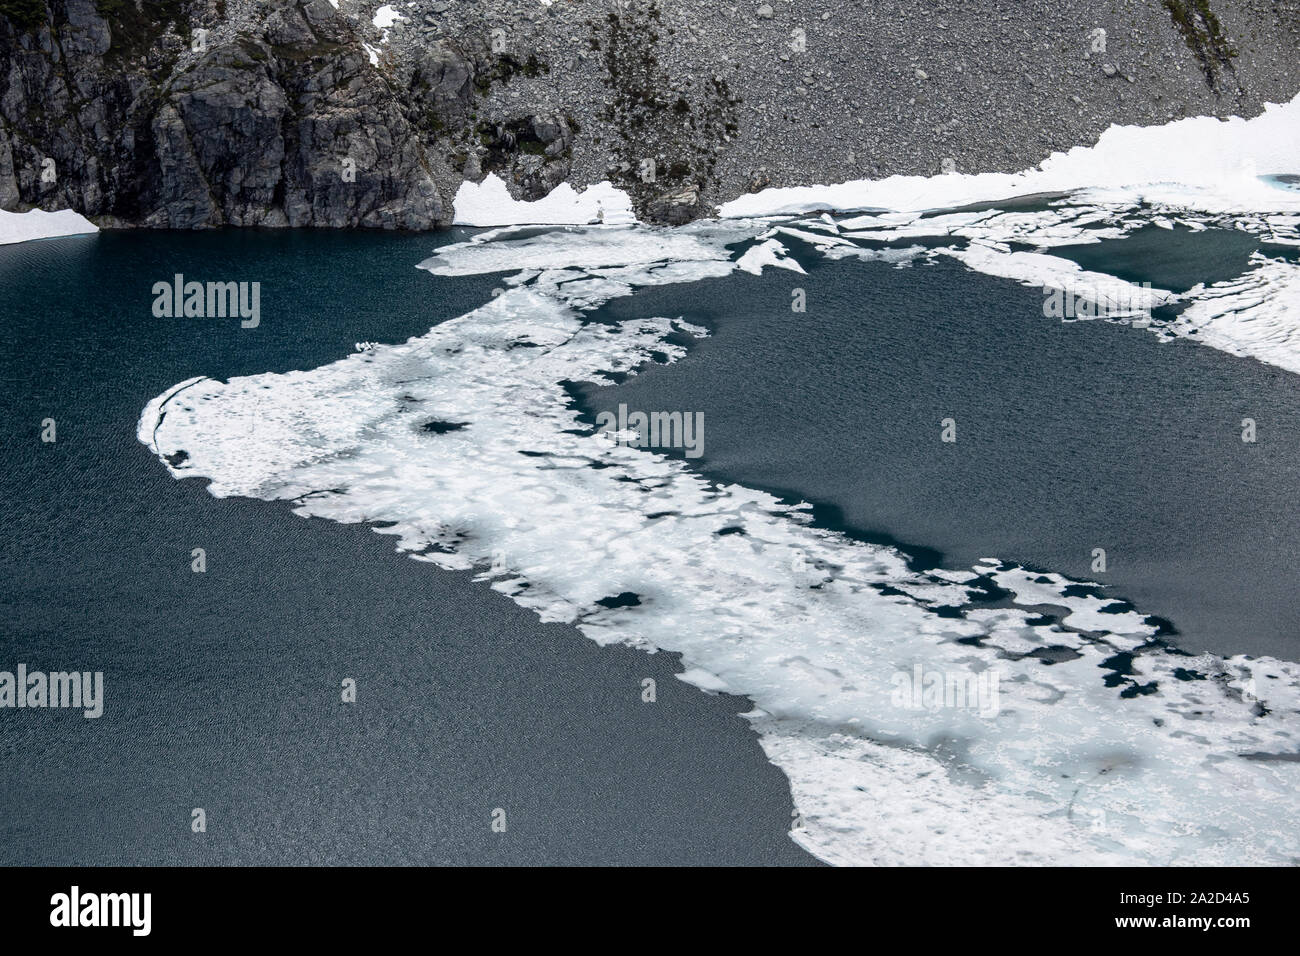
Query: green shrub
{"points": [[23, 14]]}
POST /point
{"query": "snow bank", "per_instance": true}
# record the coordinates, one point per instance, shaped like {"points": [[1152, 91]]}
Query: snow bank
{"points": [[489, 203], [1203, 162], [39, 224]]}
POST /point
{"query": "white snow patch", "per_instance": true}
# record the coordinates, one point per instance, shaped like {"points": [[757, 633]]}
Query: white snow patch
{"points": [[386, 16], [1201, 162], [489, 203], [38, 224]]}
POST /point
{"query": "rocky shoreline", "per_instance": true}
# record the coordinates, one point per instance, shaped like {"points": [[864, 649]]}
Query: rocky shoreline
{"points": [[198, 113]]}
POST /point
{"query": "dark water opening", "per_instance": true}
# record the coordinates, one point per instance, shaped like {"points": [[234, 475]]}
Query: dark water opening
{"points": [[1070, 436], [223, 689], [1174, 259]]}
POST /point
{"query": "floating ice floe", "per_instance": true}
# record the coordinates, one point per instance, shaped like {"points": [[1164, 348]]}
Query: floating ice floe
{"points": [[768, 253], [1195, 174], [1079, 736], [1256, 314]]}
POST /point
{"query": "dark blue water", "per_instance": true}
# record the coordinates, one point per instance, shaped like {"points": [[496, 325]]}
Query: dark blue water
{"points": [[223, 688], [1070, 436], [1174, 259]]}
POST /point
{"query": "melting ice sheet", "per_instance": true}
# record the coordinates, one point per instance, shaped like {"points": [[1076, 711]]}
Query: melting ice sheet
{"points": [[1102, 744], [38, 224], [1255, 314], [1197, 173]]}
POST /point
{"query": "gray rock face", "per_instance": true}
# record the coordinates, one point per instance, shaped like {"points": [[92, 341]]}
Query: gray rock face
{"points": [[194, 113], [530, 153], [676, 206], [282, 122], [663, 97], [447, 76]]}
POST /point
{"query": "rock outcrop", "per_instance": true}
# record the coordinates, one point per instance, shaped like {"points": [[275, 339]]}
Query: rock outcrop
{"points": [[194, 113], [159, 123]]}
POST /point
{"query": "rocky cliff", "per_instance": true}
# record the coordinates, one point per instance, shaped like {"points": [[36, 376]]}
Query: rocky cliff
{"points": [[193, 113]]}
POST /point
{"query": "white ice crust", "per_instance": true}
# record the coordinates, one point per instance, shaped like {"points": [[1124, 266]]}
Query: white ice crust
{"points": [[38, 224], [1105, 746], [1092, 756]]}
